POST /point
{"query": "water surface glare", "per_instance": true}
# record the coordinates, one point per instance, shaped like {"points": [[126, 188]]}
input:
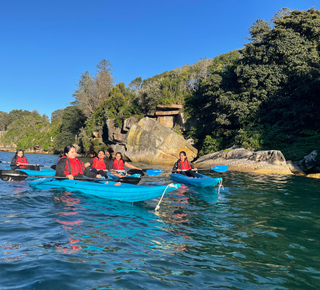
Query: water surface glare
{"points": [[260, 232]]}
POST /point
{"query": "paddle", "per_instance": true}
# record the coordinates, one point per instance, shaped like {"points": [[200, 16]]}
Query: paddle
{"points": [[136, 171], [17, 175], [218, 168], [52, 166]]}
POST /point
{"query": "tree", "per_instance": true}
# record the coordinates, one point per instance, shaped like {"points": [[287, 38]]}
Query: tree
{"points": [[93, 90], [4, 121], [29, 130], [258, 29], [57, 115], [73, 120], [135, 85]]}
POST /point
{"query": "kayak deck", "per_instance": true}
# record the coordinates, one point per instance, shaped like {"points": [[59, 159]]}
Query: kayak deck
{"points": [[201, 180], [41, 173], [123, 192]]}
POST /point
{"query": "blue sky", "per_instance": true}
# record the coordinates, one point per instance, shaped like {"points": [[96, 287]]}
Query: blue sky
{"points": [[46, 45]]}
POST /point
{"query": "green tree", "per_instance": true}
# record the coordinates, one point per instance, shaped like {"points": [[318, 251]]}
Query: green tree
{"points": [[4, 121], [73, 120], [93, 90], [258, 30], [57, 115]]}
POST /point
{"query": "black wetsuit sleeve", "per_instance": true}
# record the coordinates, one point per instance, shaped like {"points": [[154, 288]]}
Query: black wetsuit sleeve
{"points": [[60, 167], [13, 163], [175, 166]]}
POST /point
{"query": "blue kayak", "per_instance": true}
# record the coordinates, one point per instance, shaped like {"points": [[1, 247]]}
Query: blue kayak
{"points": [[39, 174], [123, 192], [35, 174], [201, 180]]}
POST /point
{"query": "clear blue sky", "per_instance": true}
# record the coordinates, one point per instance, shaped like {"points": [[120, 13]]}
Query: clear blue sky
{"points": [[46, 45]]}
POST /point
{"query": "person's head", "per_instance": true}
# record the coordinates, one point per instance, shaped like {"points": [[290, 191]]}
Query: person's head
{"points": [[70, 151], [19, 153], [111, 153], [118, 156], [182, 155], [101, 154]]}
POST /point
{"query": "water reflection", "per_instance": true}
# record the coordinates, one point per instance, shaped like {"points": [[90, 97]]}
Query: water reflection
{"points": [[261, 232]]}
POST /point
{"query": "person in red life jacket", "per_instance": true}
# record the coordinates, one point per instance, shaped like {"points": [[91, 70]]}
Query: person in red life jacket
{"points": [[100, 164], [183, 166], [68, 165], [19, 161], [118, 165]]}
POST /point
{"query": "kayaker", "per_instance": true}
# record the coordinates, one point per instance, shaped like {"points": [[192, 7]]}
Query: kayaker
{"points": [[183, 166], [100, 164], [19, 161], [118, 165], [69, 166]]}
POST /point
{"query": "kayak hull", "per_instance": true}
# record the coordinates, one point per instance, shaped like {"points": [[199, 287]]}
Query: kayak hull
{"points": [[201, 180], [39, 174], [123, 192]]}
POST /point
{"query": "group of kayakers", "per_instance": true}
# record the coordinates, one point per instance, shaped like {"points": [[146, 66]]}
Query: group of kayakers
{"points": [[71, 167]]}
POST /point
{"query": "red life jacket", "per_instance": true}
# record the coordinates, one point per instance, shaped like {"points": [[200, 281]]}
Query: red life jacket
{"points": [[99, 164], [73, 166], [185, 165], [23, 160], [117, 165]]}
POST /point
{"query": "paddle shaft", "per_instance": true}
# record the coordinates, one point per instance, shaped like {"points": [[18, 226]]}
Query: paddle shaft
{"points": [[26, 164], [218, 168]]}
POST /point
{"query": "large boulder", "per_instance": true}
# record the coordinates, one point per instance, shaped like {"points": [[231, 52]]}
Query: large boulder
{"points": [[308, 164], [240, 159], [150, 142]]}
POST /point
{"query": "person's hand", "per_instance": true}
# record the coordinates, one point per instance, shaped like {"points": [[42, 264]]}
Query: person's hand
{"points": [[87, 164], [70, 177], [18, 163], [178, 170], [98, 176]]}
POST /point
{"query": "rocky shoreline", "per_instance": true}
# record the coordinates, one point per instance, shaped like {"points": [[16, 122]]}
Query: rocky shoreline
{"points": [[265, 162], [148, 141]]}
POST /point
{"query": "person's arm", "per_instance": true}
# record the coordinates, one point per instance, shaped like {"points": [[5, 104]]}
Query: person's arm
{"points": [[60, 167], [13, 163], [131, 166], [175, 166]]}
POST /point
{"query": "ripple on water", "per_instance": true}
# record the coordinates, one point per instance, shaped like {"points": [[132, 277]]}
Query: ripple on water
{"points": [[260, 232]]}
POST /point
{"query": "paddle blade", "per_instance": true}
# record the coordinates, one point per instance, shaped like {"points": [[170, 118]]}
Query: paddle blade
{"points": [[154, 172], [220, 168], [13, 175], [135, 171], [128, 179], [53, 167]]}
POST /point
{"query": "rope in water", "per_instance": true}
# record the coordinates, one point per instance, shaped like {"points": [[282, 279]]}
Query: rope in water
{"points": [[220, 186], [158, 205]]}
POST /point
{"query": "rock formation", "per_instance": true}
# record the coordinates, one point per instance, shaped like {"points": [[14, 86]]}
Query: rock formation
{"points": [[240, 159], [151, 142]]}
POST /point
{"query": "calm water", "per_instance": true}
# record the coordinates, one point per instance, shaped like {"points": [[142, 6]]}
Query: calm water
{"points": [[261, 232]]}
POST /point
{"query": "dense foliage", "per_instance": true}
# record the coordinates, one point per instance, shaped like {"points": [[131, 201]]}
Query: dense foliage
{"points": [[269, 97], [29, 130], [264, 96]]}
